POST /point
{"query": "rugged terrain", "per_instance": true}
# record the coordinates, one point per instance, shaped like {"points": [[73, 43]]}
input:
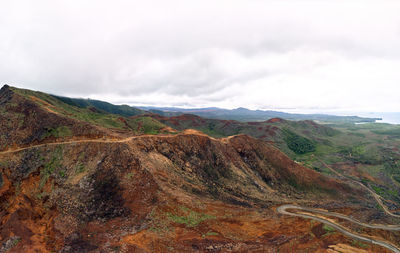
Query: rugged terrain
{"points": [[76, 178]]}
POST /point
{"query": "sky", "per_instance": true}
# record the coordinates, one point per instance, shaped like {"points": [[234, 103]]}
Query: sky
{"points": [[289, 55]]}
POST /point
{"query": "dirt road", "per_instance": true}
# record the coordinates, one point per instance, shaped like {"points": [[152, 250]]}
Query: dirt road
{"points": [[283, 210]]}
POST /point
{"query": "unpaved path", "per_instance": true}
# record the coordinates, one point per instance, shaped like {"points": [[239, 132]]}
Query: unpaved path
{"points": [[106, 140], [100, 140], [14, 150], [374, 194], [283, 210]]}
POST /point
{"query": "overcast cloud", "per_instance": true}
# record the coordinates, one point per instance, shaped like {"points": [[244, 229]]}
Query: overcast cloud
{"points": [[310, 55]]}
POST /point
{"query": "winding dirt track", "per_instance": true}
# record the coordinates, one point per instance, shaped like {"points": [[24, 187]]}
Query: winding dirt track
{"points": [[283, 210], [102, 140], [376, 196], [105, 140], [66, 142]]}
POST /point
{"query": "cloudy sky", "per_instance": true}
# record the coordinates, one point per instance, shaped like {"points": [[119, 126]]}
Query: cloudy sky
{"points": [[321, 55]]}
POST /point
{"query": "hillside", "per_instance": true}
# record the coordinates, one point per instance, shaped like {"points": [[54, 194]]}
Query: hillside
{"points": [[30, 117], [286, 135], [74, 179], [368, 153], [124, 110]]}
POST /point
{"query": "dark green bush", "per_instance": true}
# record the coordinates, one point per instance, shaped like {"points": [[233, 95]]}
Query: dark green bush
{"points": [[297, 143]]}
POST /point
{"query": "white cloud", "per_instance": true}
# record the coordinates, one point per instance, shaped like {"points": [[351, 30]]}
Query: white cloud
{"points": [[259, 54]]}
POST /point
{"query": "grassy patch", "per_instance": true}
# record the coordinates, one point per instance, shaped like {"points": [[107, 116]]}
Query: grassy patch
{"points": [[145, 125], [395, 132], [129, 175], [59, 132], [328, 228], [51, 166], [378, 190], [379, 207], [359, 244], [383, 191], [80, 168], [210, 233], [190, 218]]}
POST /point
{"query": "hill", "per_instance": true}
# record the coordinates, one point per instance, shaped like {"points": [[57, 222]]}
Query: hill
{"points": [[30, 117], [74, 179], [124, 110], [368, 153]]}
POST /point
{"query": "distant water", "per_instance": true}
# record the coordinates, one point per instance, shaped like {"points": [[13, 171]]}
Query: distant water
{"points": [[387, 117]]}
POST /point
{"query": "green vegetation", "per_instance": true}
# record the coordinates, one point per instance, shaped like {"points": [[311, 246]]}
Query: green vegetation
{"points": [[378, 190], [59, 132], [146, 125], [124, 110], [297, 143], [210, 233], [396, 177], [190, 218], [51, 166], [395, 132], [359, 244], [328, 229], [15, 241], [129, 175], [384, 191], [362, 153], [94, 112], [61, 173], [80, 168]]}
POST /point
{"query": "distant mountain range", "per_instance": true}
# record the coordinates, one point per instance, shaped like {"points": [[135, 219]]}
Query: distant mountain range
{"points": [[239, 114], [243, 114]]}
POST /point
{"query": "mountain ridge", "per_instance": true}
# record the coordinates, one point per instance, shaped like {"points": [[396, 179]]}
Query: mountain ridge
{"points": [[246, 115]]}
